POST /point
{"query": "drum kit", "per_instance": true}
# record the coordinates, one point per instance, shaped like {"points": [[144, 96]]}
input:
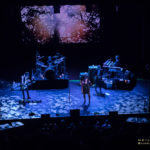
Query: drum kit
{"points": [[54, 68]]}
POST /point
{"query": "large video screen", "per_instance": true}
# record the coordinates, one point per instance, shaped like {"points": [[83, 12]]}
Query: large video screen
{"points": [[71, 24]]}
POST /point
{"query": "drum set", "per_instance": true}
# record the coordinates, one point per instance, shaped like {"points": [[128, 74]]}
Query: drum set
{"points": [[53, 68]]}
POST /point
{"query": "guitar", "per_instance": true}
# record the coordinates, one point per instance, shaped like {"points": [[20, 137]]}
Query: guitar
{"points": [[25, 82]]}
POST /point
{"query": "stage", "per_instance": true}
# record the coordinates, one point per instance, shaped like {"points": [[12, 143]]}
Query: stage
{"points": [[59, 102]]}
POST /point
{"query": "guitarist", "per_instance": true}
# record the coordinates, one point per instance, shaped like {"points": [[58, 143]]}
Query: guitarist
{"points": [[24, 85], [99, 81]]}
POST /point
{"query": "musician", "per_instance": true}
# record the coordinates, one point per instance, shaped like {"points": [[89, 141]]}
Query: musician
{"points": [[85, 87], [117, 61], [24, 85], [49, 61], [98, 80], [99, 70]]}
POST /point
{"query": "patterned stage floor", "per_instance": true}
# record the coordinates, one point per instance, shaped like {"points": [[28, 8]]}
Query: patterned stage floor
{"points": [[59, 102]]}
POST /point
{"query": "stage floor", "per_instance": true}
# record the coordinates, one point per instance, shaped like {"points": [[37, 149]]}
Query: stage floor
{"points": [[59, 102]]}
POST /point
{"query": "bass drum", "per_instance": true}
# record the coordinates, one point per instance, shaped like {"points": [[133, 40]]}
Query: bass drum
{"points": [[49, 74]]}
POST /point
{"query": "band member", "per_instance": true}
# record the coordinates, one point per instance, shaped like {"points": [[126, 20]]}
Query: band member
{"points": [[117, 61], [24, 85], [85, 87], [98, 81], [49, 61], [99, 70]]}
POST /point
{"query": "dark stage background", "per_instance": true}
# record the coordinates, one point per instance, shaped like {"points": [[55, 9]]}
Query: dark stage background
{"points": [[124, 31]]}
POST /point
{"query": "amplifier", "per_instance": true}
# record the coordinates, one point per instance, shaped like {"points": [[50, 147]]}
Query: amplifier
{"points": [[93, 67], [83, 74]]}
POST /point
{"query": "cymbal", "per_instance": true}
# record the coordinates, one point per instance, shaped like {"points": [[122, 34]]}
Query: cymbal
{"points": [[41, 64]]}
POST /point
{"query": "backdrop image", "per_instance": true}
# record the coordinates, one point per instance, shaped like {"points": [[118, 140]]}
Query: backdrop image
{"points": [[72, 24]]}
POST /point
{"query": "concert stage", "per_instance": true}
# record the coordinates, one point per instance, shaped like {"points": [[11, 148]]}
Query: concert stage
{"points": [[59, 102], [55, 50]]}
